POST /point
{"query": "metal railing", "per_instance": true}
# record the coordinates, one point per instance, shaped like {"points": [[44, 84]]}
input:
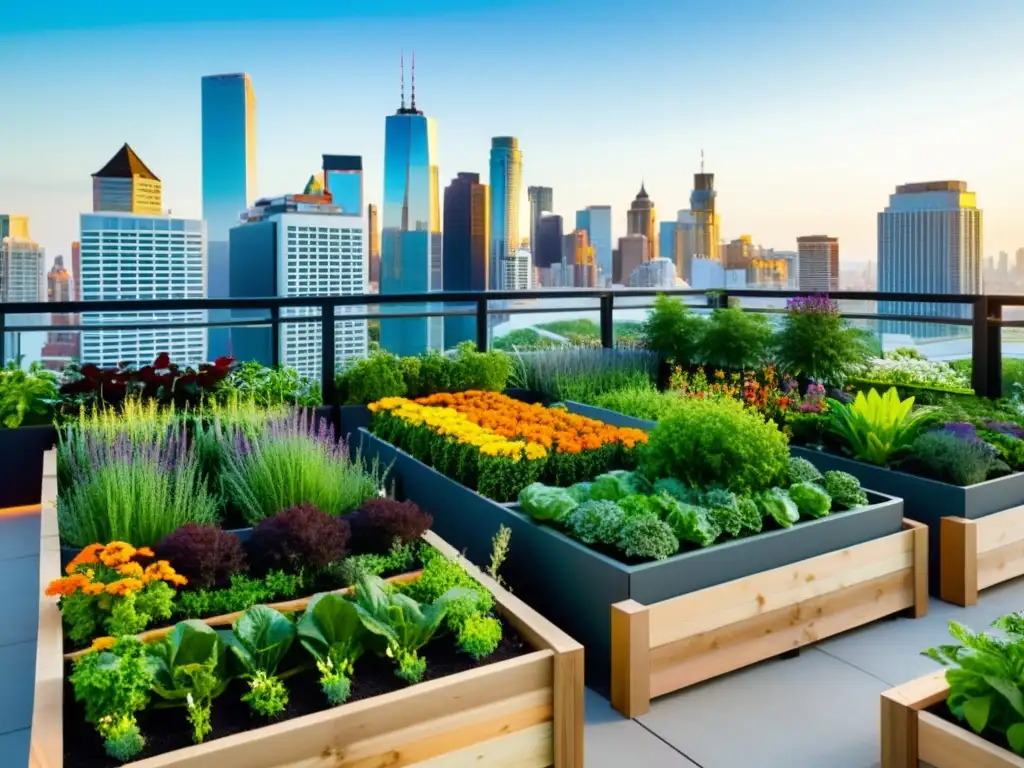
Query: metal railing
{"points": [[985, 321]]}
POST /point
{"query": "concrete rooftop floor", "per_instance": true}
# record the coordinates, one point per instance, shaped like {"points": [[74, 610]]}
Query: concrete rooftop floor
{"points": [[818, 710]]}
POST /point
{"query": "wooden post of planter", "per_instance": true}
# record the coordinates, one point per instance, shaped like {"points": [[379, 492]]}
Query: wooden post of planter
{"points": [[958, 558], [920, 607], [631, 658]]}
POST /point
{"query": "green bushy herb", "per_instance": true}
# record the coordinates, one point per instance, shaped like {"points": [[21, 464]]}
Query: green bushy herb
{"points": [[583, 373], [373, 378], [270, 386], [815, 342], [648, 537], [479, 636], [349, 569], [441, 575], [844, 489], [1010, 448], [244, 592], [596, 522], [717, 443], [800, 470], [735, 340], [640, 402], [26, 396], [952, 459], [673, 331]]}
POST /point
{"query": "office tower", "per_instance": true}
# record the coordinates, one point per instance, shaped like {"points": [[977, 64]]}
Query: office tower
{"points": [[1019, 264], [1004, 264], [411, 242], [373, 246], [669, 241], [76, 269], [61, 347], [518, 270], [584, 265], [13, 226], [632, 253], [126, 185], [929, 241], [547, 251], [818, 263], [293, 246], [229, 166], [132, 256], [467, 237], [656, 273], [22, 278], [706, 221], [343, 180], [506, 179], [597, 221], [641, 219], [542, 200]]}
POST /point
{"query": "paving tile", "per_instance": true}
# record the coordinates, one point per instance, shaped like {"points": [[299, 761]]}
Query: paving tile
{"points": [[812, 711], [14, 747], [19, 536], [18, 668], [19, 615], [612, 741]]}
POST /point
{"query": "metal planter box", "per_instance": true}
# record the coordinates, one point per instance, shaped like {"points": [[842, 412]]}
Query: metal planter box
{"points": [[22, 452], [576, 586]]}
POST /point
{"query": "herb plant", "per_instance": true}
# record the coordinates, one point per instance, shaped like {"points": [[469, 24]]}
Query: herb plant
{"points": [[583, 373], [258, 641], [673, 331], [26, 396], [271, 386], [815, 342], [302, 536], [333, 633], [734, 339], [844, 489], [955, 459], [877, 428]]}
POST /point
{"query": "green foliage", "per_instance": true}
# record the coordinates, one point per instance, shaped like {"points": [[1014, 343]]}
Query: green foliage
{"points": [[673, 331], [440, 576], [779, 506], [348, 569], [952, 459], [724, 510], [580, 492], [749, 513], [373, 378], [717, 443], [802, 471], [1011, 449], [267, 695], [640, 402], [258, 642], [819, 345], [114, 685], [544, 502], [524, 338], [26, 396], [479, 636], [844, 490], [84, 614], [596, 522], [583, 373], [694, 524], [270, 386], [618, 484], [648, 537], [332, 632], [676, 489], [735, 340], [877, 428], [986, 681], [244, 592], [810, 499]]}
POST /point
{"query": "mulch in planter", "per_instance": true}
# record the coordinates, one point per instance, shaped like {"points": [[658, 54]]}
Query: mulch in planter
{"points": [[941, 711], [166, 730]]}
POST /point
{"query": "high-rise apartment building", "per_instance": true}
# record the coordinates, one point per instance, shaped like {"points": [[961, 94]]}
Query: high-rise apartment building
{"points": [[818, 263], [292, 246], [686, 243], [506, 182], [126, 185], [22, 278], [641, 219], [929, 241], [467, 238], [519, 270], [632, 253], [411, 242], [132, 256], [343, 179], [597, 221], [584, 265], [373, 247], [61, 347], [542, 200], [229, 166]]}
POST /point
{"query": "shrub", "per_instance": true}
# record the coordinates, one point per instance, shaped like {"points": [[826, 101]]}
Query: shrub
{"points": [[673, 331], [816, 343], [640, 402], [271, 386], [596, 522], [26, 396], [844, 489], [876, 428], [953, 458], [717, 443], [648, 537], [206, 555], [734, 339], [802, 471], [583, 373], [486, 371], [303, 536], [379, 523], [375, 377]]}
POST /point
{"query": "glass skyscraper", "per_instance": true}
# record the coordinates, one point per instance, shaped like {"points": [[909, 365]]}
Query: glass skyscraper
{"points": [[597, 221], [467, 233], [411, 228], [506, 185], [343, 178]]}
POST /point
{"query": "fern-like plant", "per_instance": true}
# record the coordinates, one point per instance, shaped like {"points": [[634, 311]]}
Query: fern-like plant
{"points": [[877, 428]]}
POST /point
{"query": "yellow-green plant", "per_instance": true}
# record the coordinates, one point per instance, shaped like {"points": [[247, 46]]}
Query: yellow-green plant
{"points": [[876, 428]]}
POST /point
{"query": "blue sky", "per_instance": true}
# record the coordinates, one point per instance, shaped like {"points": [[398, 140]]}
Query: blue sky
{"points": [[809, 113]]}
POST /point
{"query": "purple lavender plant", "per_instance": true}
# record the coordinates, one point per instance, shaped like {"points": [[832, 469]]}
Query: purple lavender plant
{"points": [[1006, 428], [819, 304], [968, 433]]}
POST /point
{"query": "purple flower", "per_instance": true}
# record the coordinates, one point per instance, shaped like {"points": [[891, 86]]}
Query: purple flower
{"points": [[962, 430], [818, 304], [1006, 428]]}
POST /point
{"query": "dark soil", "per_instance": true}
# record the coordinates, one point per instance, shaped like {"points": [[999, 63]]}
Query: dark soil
{"points": [[166, 730], [940, 710]]}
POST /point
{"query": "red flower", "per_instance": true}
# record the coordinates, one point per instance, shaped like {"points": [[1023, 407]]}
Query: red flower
{"points": [[223, 362], [163, 360], [91, 372]]}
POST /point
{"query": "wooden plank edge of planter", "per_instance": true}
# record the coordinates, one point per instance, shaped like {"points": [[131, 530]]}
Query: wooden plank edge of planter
{"points": [[913, 737], [526, 711], [667, 646], [977, 554]]}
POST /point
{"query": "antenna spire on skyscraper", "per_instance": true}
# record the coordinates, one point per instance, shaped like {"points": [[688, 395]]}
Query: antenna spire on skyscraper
{"points": [[413, 105], [401, 65], [702, 160]]}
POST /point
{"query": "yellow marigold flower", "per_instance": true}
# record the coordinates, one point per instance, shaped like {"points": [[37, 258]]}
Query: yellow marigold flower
{"points": [[87, 556], [102, 643], [130, 569], [94, 588], [124, 586], [116, 553], [144, 552]]}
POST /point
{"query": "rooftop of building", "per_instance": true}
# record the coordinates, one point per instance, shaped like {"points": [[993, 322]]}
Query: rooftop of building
{"points": [[931, 186], [125, 165]]}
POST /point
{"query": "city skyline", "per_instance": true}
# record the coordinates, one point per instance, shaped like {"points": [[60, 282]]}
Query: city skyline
{"points": [[834, 167]]}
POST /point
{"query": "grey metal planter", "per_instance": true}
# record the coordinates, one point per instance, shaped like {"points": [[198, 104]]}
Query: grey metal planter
{"points": [[21, 463], [614, 418], [575, 587], [350, 419]]}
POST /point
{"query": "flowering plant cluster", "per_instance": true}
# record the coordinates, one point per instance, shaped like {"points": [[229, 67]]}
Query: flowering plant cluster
{"points": [[900, 367], [117, 587], [761, 390], [498, 445], [817, 305]]}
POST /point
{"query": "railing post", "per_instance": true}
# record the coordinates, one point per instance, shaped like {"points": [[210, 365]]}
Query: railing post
{"points": [[986, 348], [481, 325], [608, 321], [327, 352], [3, 338], [275, 336]]}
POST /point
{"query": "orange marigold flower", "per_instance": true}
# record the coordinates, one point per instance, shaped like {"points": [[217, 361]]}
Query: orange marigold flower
{"points": [[124, 586], [144, 552], [94, 588], [130, 569], [102, 643], [116, 553], [87, 556]]}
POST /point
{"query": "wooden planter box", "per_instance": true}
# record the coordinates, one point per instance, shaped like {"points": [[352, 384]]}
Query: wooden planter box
{"points": [[526, 711], [912, 737], [698, 614], [977, 532]]}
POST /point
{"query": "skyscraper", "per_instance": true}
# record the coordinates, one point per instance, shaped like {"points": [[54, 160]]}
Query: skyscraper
{"points": [[641, 219], [686, 246], [22, 278], [584, 264], [61, 347], [76, 269], [632, 253], [597, 221], [343, 178], [929, 241], [126, 185], [133, 256], [373, 247], [13, 226], [506, 182], [817, 263], [229, 166], [707, 222], [668, 242], [1019, 263], [300, 245], [411, 242], [467, 236], [542, 200], [519, 270]]}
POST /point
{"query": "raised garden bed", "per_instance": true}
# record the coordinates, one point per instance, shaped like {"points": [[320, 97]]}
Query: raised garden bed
{"points": [[853, 567], [525, 710], [915, 734], [22, 450]]}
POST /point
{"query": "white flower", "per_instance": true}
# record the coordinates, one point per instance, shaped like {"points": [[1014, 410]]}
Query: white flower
{"points": [[189, 701], [382, 493]]}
